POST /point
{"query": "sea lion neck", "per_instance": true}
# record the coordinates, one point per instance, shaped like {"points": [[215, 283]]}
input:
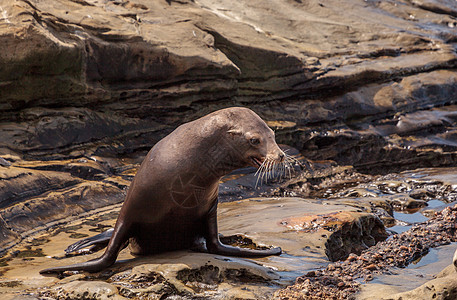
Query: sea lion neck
{"points": [[221, 153]]}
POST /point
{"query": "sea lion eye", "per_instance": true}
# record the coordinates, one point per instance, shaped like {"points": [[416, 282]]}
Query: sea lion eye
{"points": [[254, 141]]}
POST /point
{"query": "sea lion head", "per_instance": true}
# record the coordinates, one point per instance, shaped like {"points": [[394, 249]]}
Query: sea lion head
{"points": [[253, 139]]}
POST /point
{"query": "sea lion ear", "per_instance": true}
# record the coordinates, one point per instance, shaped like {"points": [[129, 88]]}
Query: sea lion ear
{"points": [[234, 132]]}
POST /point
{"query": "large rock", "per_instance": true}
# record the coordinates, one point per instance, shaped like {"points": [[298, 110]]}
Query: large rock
{"points": [[80, 78], [346, 232], [31, 198], [129, 71]]}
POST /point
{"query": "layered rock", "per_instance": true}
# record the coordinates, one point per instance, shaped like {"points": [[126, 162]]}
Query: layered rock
{"points": [[126, 72]]}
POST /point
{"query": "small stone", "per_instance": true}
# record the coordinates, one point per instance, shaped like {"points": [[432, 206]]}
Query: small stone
{"points": [[311, 274], [377, 256], [352, 257], [4, 162]]}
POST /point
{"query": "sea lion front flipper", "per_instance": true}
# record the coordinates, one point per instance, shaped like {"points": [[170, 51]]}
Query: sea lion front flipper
{"points": [[215, 246]]}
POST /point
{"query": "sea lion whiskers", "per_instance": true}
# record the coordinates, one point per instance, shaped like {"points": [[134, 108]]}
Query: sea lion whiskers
{"points": [[260, 168], [272, 168], [281, 169], [259, 172], [305, 164], [268, 170]]}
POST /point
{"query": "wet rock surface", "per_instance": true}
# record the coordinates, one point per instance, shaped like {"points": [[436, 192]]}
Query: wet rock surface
{"points": [[179, 275], [362, 88], [185, 274], [310, 231]]}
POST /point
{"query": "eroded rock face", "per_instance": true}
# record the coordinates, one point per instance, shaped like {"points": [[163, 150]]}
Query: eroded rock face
{"points": [[34, 195], [130, 71], [347, 232]]}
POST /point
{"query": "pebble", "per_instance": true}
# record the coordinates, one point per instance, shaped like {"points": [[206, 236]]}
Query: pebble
{"points": [[352, 257], [371, 267], [377, 256]]}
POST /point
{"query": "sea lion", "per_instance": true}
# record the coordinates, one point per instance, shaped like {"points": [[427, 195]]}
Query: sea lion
{"points": [[173, 198]]}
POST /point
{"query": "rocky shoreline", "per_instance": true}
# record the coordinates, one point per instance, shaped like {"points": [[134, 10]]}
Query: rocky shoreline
{"points": [[310, 231], [339, 280], [364, 89]]}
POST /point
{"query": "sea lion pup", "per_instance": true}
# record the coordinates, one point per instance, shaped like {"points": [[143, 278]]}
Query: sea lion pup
{"points": [[172, 200]]}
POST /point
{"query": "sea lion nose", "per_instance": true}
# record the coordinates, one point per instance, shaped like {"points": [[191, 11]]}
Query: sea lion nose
{"points": [[281, 156]]}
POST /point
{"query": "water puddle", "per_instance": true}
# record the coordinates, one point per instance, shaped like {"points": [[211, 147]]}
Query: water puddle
{"points": [[435, 204], [404, 221], [411, 277]]}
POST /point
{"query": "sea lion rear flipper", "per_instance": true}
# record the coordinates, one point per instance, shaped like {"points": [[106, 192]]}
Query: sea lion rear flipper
{"points": [[97, 242], [215, 246], [118, 241]]}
